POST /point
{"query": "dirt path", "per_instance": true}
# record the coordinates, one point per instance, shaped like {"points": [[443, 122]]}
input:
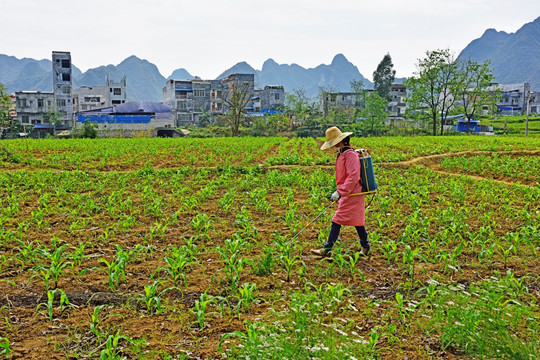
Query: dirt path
{"points": [[432, 162]]}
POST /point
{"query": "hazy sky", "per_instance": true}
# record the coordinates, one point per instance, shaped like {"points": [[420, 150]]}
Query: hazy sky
{"points": [[208, 36]]}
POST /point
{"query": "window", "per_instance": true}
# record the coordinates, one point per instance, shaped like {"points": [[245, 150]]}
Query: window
{"points": [[65, 64], [117, 91], [22, 103], [199, 93], [25, 118], [66, 90], [277, 96], [40, 102], [66, 77], [184, 118], [181, 105], [49, 102], [60, 102], [181, 94], [116, 102]]}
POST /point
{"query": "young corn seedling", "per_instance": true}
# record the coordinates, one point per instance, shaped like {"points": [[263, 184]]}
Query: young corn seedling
{"points": [[340, 259], [78, 255], [351, 264], [233, 263], [286, 255], [175, 266], [246, 297], [408, 256], [152, 297], [335, 294], [49, 305], [111, 350], [390, 250], [486, 254], [27, 253], [505, 252], [202, 223], [227, 201], [5, 350], [430, 290], [201, 309], [96, 321], [400, 304], [57, 265], [116, 269]]}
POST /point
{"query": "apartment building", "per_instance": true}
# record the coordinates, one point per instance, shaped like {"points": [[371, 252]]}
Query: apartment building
{"points": [[396, 107], [272, 97], [339, 100], [191, 100], [33, 107]]}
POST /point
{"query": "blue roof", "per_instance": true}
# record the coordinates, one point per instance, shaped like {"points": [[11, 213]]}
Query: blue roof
{"points": [[142, 107], [44, 126], [180, 89]]}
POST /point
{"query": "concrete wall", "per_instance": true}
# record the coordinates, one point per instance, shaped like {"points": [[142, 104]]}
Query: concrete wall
{"points": [[132, 130]]}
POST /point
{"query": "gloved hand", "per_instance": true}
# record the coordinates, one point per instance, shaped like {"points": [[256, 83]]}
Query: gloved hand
{"points": [[335, 196]]}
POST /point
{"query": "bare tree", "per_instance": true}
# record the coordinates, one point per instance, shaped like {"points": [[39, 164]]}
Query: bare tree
{"points": [[237, 99]]}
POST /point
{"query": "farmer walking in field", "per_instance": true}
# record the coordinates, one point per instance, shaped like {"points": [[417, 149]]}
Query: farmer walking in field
{"points": [[351, 208]]}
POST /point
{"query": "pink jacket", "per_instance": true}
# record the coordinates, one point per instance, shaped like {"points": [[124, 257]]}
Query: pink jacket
{"points": [[351, 209]]}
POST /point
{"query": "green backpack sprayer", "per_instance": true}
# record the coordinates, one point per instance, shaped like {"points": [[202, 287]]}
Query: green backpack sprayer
{"points": [[367, 176]]}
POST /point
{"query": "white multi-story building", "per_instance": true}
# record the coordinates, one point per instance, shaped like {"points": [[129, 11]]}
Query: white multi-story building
{"points": [[95, 97], [33, 107], [63, 85]]}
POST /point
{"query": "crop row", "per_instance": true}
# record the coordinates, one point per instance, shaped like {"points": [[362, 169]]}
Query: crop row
{"points": [[520, 168], [130, 154]]}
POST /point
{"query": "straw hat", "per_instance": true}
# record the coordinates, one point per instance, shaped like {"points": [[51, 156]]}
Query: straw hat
{"points": [[333, 137]]}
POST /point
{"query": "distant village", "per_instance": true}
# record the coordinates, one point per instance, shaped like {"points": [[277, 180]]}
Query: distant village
{"points": [[185, 103]]}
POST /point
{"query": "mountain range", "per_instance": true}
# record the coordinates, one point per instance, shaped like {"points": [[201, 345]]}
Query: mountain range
{"points": [[514, 57]]}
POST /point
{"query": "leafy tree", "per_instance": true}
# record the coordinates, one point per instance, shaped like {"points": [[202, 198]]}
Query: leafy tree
{"points": [[5, 104], [357, 86], [52, 116], [374, 114], [237, 99], [432, 86], [88, 130], [299, 104], [326, 94], [473, 91], [205, 119], [383, 77]]}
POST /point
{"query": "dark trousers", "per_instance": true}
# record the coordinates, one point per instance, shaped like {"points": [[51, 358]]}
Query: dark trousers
{"points": [[334, 234]]}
